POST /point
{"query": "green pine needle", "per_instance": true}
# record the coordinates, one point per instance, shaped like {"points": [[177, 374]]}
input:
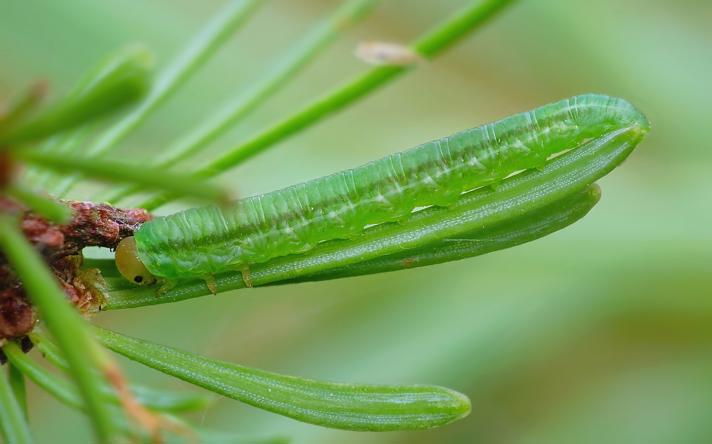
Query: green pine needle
{"points": [[157, 400], [84, 356], [117, 172], [111, 87], [343, 406], [45, 206], [276, 78], [429, 45], [17, 383], [226, 22], [12, 418]]}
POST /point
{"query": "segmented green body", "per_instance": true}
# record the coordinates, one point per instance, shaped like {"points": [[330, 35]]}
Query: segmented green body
{"points": [[204, 241]]}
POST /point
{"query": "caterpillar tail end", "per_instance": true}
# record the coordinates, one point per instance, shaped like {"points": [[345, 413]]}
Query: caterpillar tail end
{"points": [[641, 123], [636, 124], [631, 116]]}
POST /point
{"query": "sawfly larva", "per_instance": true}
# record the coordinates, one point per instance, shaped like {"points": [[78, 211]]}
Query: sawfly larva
{"points": [[202, 242]]}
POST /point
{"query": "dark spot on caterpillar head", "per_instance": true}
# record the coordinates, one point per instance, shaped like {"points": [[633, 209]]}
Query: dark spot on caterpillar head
{"points": [[138, 279]]}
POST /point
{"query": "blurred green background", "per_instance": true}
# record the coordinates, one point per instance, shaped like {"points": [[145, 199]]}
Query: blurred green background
{"points": [[599, 333]]}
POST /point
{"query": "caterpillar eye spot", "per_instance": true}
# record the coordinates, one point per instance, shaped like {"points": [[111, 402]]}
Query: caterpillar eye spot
{"points": [[138, 279]]}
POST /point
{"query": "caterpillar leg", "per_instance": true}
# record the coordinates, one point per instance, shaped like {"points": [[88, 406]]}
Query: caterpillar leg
{"points": [[245, 270], [211, 284], [409, 262], [165, 287]]}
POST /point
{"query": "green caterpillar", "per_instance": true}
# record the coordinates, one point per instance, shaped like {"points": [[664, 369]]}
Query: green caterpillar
{"points": [[202, 242]]}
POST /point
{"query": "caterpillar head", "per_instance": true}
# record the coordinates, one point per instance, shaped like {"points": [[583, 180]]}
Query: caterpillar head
{"points": [[129, 264]]}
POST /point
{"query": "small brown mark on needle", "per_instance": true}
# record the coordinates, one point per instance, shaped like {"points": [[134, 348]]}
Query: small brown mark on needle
{"points": [[387, 53]]}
